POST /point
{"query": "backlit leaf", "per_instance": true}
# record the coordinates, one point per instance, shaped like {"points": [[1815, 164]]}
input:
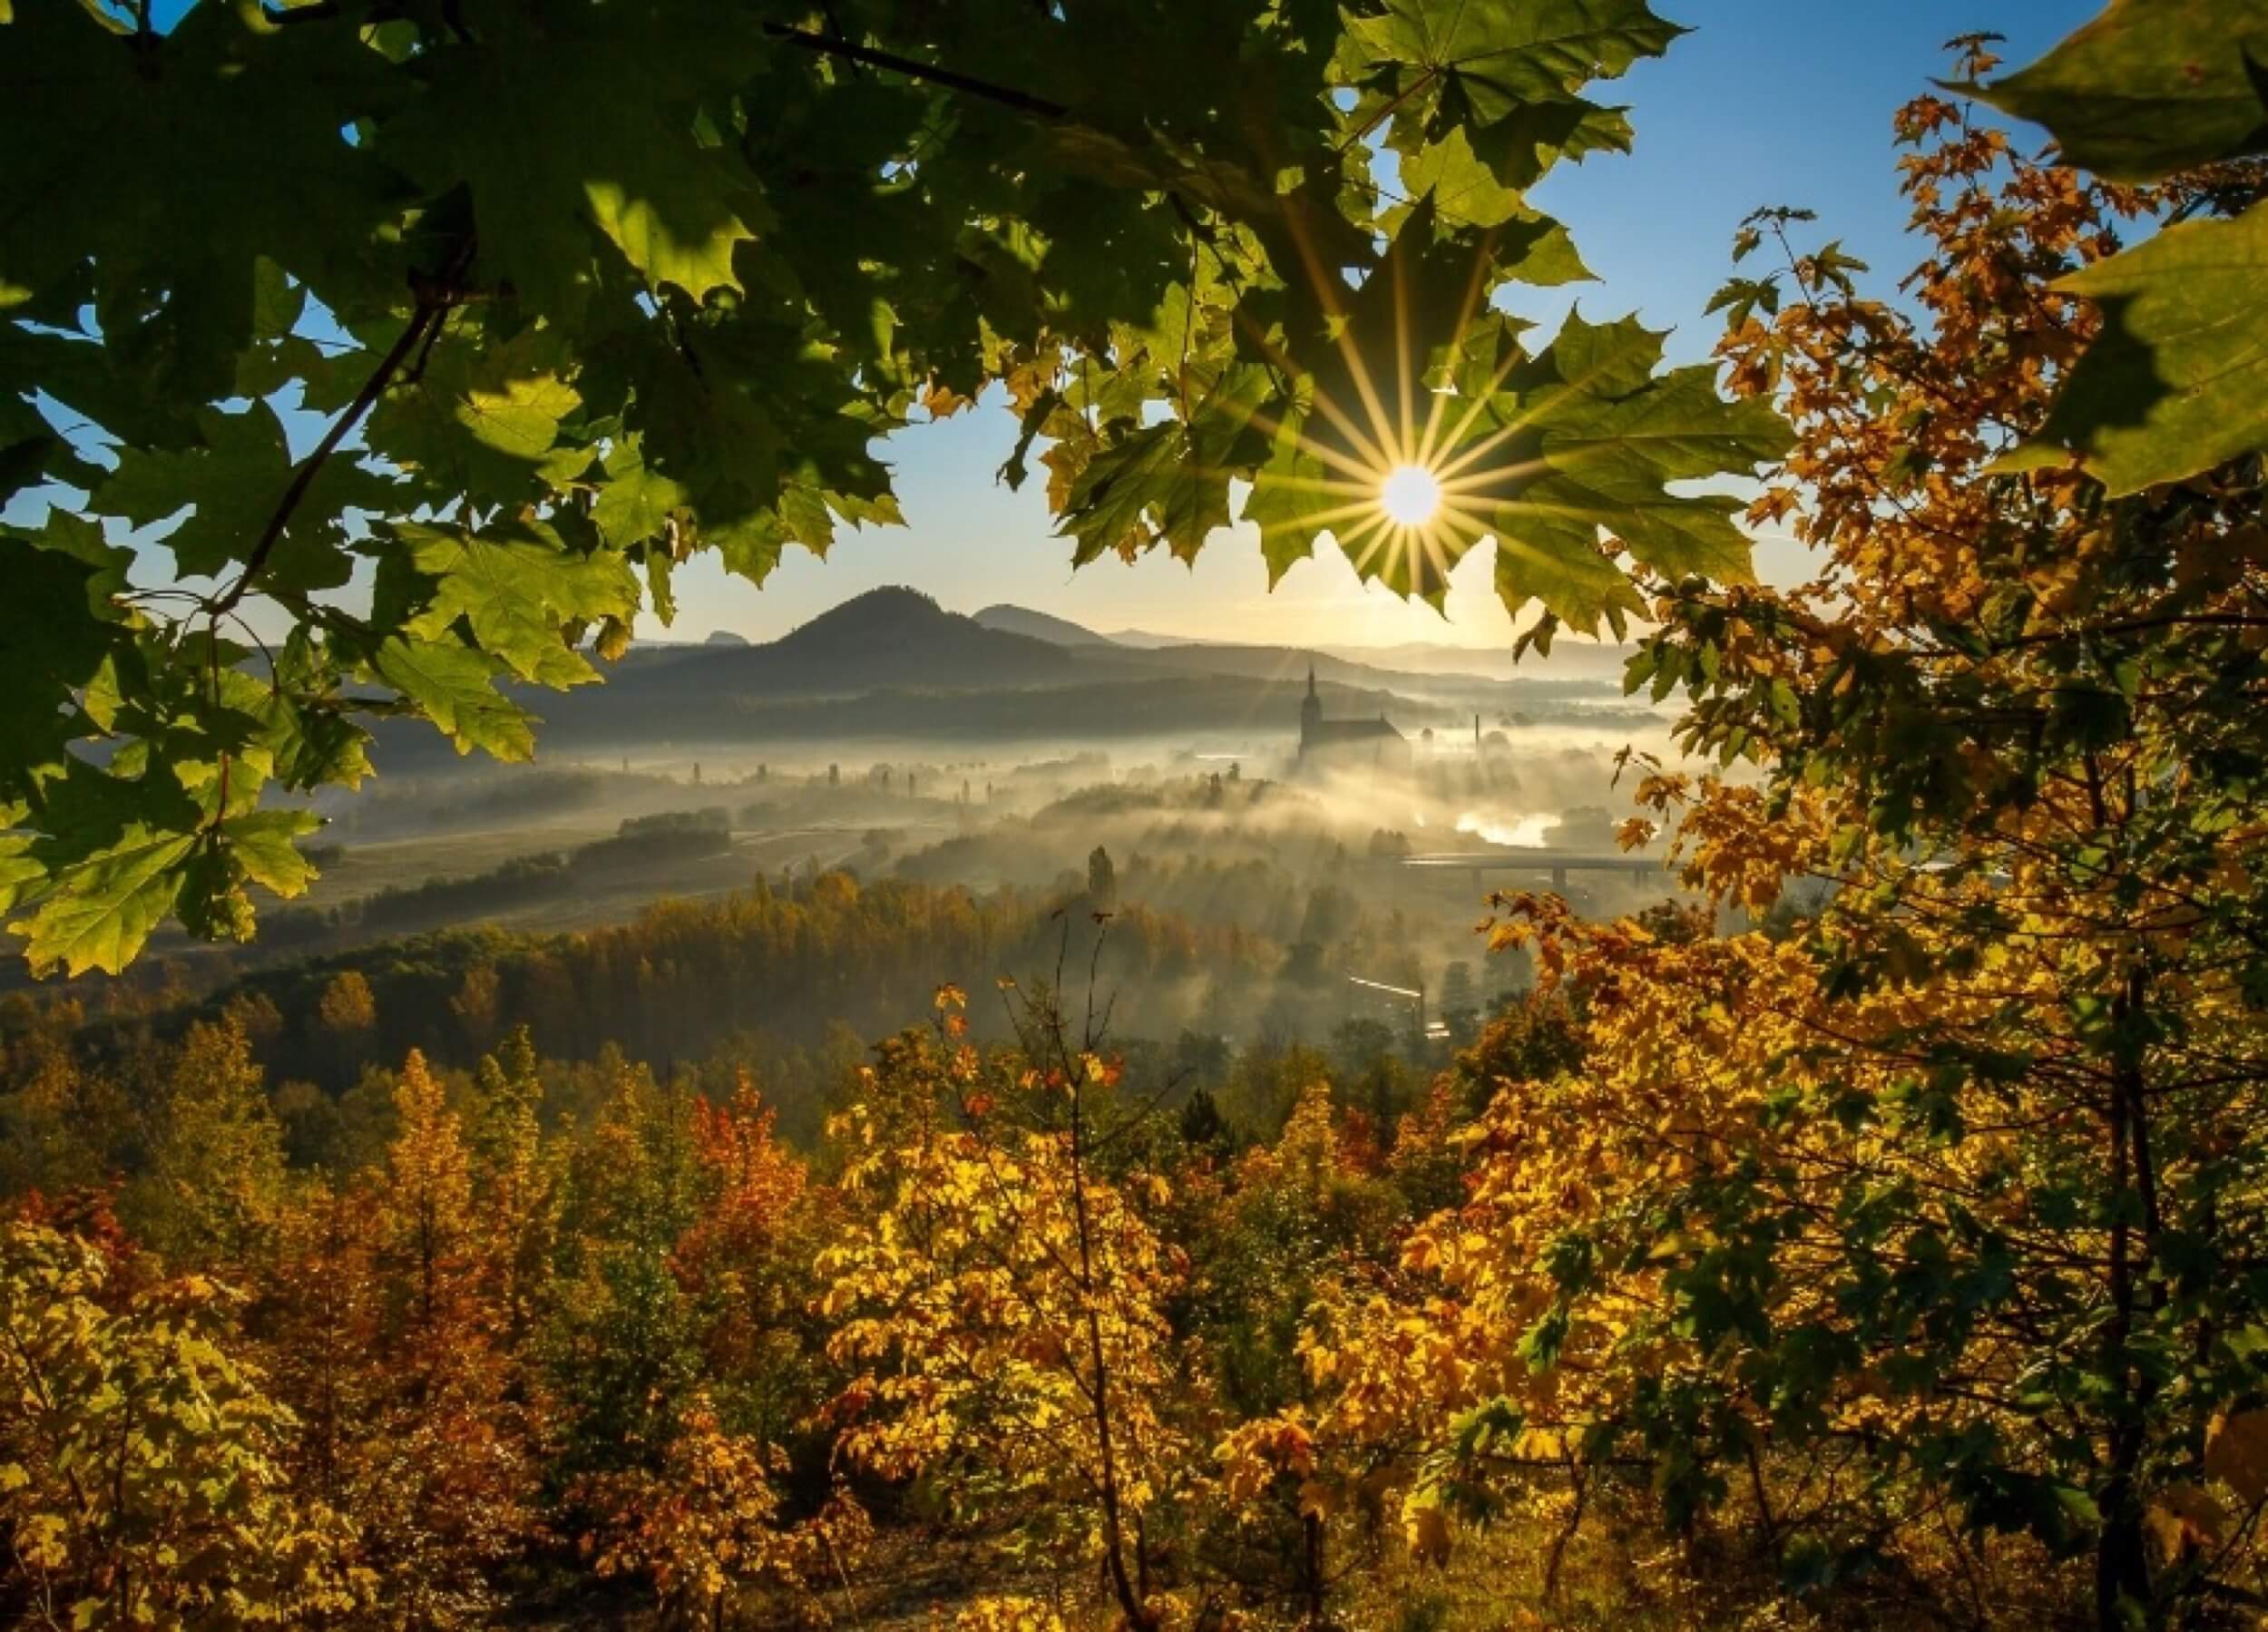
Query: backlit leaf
{"points": [[451, 686], [2148, 87], [103, 908], [2177, 380]]}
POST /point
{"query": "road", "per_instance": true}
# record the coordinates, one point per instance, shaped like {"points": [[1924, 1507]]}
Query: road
{"points": [[1559, 864]]}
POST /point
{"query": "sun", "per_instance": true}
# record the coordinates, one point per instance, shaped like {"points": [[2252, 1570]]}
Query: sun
{"points": [[1411, 495]]}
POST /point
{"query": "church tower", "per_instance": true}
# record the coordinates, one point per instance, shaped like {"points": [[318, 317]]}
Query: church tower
{"points": [[1310, 715]]}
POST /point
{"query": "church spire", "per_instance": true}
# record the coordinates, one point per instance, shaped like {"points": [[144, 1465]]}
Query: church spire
{"points": [[1310, 712]]}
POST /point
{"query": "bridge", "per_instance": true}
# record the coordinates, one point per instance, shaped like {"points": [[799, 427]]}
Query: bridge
{"points": [[1434, 1029], [1559, 864]]}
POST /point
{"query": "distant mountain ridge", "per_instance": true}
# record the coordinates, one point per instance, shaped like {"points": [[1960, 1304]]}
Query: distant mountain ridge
{"points": [[895, 654], [885, 637], [1409, 666], [901, 614], [1041, 626]]}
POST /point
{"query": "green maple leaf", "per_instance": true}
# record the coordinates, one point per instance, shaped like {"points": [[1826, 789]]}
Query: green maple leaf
{"points": [[31, 449], [1464, 189], [551, 148], [749, 547], [2149, 87], [804, 513], [1187, 338], [1601, 361], [260, 844], [482, 417], [516, 585], [1393, 336], [313, 745], [1443, 61], [1508, 240], [635, 503], [311, 740], [1169, 482], [1296, 497], [212, 903], [1521, 147], [22, 874], [1675, 428], [79, 376], [1293, 499], [103, 908], [232, 483], [256, 846], [2177, 380], [1548, 550], [451, 686], [1676, 535], [1683, 536], [660, 591], [70, 650], [674, 224], [1591, 439], [1149, 486], [722, 445], [226, 138]]}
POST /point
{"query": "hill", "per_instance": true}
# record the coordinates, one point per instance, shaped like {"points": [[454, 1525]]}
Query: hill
{"points": [[889, 637], [901, 636], [1039, 626]]}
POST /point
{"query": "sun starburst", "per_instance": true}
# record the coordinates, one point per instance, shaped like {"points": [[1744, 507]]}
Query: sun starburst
{"points": [[1411, 495]]}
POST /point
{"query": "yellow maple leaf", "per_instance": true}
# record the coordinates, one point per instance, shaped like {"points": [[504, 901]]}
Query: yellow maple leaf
{"points": [[2236, 1453]]}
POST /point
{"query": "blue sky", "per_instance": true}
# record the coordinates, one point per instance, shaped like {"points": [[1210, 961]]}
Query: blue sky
{"points": [[1768, 101]]}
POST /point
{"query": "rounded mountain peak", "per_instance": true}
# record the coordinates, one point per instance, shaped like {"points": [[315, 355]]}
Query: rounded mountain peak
{"points": [[892, 613]]}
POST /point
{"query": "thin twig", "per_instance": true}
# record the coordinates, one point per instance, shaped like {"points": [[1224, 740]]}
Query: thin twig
{"points": [[891, 63], [433, 306]]}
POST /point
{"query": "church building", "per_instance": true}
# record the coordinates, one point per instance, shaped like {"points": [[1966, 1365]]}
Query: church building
{"points": [[1349, 745]]}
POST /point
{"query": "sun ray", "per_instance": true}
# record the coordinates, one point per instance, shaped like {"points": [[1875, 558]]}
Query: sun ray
{"points": [[1330, 297], [1366, 511], [1474, 407], [1475, 301], [1417, 493], [1402, 451], [1361, 544], [1361, 472], [1469, 522], [1456, 468]]}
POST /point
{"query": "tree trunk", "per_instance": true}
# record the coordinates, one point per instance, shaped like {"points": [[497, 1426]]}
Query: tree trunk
{"points": [[2122, 1561], [1122, 1585], [1313, 1523], [2122, 1564]]}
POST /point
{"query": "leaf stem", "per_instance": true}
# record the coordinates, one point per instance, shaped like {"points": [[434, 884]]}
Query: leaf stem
{"points": [[1391, 108]]}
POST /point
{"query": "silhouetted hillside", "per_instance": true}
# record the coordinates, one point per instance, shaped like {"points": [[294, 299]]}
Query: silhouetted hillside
{"points": [[898, 637], [893, 663], [890, 637], [1039, 626]]}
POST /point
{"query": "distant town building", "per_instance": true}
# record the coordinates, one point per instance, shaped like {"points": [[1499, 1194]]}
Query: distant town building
{"points": [[1367, 745]]}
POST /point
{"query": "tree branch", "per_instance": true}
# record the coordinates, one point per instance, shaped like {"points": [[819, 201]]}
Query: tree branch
{"points": [[889, 61], [434, 302]]}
